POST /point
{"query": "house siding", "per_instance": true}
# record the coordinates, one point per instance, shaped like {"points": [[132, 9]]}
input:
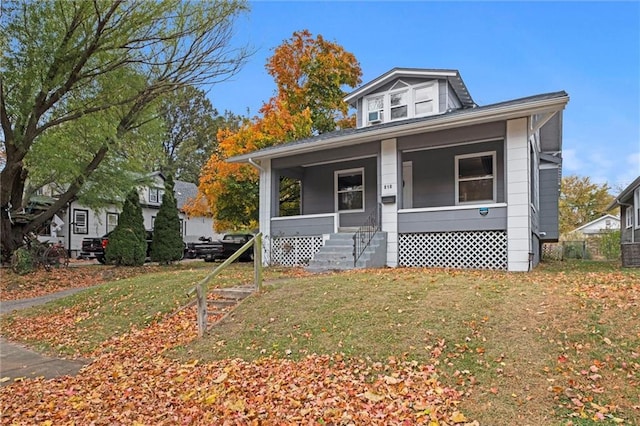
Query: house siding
{"points": [[303, 226], [434, 173], [319, 197], [452, 220], [548, 204]]}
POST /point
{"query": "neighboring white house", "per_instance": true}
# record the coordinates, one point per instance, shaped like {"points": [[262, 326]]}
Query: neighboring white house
{"points": [[599, 226], [447, 182], [81, 222]]}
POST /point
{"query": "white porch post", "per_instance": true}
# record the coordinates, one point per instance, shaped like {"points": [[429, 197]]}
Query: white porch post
{"points": [[518, 203], [264, 211], [389, 187]]}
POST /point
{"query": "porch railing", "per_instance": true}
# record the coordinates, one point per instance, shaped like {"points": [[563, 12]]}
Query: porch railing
{"points": [[365, 233]]}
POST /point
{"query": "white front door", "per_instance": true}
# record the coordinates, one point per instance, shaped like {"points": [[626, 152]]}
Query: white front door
{"points": [[407, 184]]}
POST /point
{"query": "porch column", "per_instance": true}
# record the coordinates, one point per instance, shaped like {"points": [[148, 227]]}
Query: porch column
{"points": [[264, 211], [389, 187], [518, 203]]}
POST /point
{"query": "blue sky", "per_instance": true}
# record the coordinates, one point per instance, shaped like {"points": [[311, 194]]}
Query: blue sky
{"points": [[503, 50]]}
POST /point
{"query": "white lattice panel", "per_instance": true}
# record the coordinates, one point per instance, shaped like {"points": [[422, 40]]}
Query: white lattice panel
{"points": [[294, 251], [472, 250]]}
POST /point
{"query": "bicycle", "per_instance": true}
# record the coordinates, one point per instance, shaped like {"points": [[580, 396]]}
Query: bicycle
{"points": [[34, 254]]}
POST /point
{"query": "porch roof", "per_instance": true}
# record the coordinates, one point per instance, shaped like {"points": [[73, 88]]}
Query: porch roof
{"points": [[522, 107]]}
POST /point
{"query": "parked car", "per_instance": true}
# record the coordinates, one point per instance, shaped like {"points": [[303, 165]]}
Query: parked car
{"points": [[228, 245], [201, 248], [93, 248]]}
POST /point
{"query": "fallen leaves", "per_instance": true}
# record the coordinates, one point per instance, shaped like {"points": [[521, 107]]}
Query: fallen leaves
{"points": [[131, 381], [41, 282]]}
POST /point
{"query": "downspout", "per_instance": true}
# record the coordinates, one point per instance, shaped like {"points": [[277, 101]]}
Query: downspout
{"points": [[256, 165], [632, 221]]}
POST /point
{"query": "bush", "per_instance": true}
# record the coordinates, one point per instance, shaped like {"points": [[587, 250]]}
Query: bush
{"points": [[22, 261], [609, 244], [127, 244], [167, 245]]}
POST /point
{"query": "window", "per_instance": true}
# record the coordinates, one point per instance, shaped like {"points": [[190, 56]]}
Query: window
{"points": [[350, 190], [153, 222], [475, 178], [424, 100], [375, 109], [628, 216], [154, 195], [80, 221], [399, 104], [112, 221], [182, 227]]}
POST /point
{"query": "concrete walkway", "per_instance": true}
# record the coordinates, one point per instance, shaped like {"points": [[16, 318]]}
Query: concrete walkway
{"points": [[17, 361]]}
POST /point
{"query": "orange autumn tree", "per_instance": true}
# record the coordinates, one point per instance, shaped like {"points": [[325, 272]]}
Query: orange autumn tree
{"points": [[309, 75]]}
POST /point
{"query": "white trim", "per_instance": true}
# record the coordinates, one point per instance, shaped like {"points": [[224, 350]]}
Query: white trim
{"points": [[335, 189], [628, 217], [450, 208], [305, 216], [389, 186], [519, 240], [493, 177]]}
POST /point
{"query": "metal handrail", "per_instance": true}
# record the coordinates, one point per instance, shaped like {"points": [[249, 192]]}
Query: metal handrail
{"points": [[365, 233]]}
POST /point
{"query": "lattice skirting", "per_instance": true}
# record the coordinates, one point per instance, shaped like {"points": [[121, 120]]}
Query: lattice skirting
{"points": [[473, 250], [294, 251]]}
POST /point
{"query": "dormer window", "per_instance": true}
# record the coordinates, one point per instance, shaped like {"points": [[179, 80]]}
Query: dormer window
{"points": [[425, 97], [401, 102], [375, 109]]}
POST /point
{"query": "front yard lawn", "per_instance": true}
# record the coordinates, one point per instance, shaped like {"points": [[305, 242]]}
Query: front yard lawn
{"points": [[560, 345]]}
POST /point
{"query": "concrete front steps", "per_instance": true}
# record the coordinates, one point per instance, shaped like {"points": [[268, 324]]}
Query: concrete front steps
{"points": [[337, 253]]}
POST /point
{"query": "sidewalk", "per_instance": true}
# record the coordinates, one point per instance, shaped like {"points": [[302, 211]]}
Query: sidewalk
{"points": [[17, 361]]}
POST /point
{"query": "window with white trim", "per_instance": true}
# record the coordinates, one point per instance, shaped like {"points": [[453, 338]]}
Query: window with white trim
{"points": [[112, 221], [80, 221], [475, 178], [401, 102], [628, 216], [425, 100], [375, 109], [154, 195], [349, 186]]}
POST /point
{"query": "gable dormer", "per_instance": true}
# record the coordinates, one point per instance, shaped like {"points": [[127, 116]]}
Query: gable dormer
{"points": [[406, 93]]}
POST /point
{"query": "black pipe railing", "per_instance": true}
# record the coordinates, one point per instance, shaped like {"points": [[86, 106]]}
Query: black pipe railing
{"points": [[363, 236]]}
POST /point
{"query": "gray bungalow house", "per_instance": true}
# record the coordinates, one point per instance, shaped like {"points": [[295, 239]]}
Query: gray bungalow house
{"points": [[441, 181]]}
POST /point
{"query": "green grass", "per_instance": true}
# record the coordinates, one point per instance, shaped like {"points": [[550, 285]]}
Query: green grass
{"points": [[111, 309], [497, 335], [518, 345]]}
